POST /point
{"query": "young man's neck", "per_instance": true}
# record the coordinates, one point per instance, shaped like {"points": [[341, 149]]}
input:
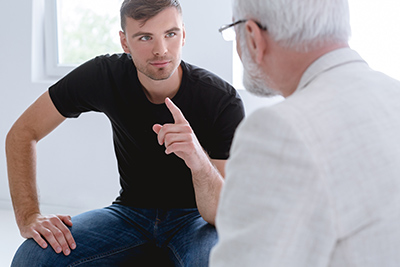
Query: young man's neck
{"points": [[157, 91]]}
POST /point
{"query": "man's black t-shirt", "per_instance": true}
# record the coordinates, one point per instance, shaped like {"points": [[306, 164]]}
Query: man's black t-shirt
{"points": [[149, 178]]}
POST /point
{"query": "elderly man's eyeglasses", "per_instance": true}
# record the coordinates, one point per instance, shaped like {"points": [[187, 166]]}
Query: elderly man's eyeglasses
{"points": [[228, 30]]}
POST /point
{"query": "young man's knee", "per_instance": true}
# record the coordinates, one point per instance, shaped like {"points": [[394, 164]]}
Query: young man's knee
{"points": [[31, 254]]}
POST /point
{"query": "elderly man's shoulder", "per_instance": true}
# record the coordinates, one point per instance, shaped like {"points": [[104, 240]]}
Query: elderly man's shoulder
{"points": [[278, 109]]}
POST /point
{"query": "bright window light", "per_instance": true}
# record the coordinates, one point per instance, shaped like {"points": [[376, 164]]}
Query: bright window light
{"points": [[375, 33], [78, 30], [87, 28], [375, 37]]}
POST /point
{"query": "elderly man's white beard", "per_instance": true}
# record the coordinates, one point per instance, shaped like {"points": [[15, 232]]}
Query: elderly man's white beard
{"points": [[254, 80]]}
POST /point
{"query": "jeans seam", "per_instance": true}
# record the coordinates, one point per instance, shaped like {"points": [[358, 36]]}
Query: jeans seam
{"points": [[172, 248], [104, 254]]}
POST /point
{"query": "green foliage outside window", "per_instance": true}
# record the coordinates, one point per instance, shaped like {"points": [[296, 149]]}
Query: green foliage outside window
{"points": [[86, 34]]}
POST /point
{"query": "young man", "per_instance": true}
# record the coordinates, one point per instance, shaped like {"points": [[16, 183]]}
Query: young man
{"points": [[172, 123], [315, 179]]}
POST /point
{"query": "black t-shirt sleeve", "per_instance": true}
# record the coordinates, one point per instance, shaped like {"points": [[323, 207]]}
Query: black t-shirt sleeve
{"points": [[79, 91], [211, 100], [224, 129]]}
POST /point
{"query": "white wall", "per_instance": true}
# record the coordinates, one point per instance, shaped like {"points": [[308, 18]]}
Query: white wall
{"points": [[76, 163]]}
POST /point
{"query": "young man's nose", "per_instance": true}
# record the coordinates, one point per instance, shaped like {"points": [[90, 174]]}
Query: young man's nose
{"points": [[160, 48]]}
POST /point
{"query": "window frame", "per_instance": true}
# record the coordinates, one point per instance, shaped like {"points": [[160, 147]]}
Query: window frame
{"points": [[52, 66]]}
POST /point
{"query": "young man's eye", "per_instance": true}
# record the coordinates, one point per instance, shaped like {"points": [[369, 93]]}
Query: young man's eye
{"points": [[145, 38], [171, 34]]}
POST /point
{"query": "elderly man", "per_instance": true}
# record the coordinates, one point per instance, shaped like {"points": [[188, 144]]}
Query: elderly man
{"points": [[315, 179]]}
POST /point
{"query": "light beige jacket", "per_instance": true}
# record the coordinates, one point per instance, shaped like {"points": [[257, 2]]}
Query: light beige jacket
{"points": [[315, 180]]}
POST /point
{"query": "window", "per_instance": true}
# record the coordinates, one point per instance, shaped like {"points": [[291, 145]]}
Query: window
{"points": [[375, 33], [78, 30], [374, 27]]}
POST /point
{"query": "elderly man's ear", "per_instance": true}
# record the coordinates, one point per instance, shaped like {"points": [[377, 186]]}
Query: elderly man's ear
{"points": [[256, 41]]}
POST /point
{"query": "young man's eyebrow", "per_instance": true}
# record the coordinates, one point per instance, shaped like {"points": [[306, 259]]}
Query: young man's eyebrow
{"points": [[174, 29], [141, 34]]}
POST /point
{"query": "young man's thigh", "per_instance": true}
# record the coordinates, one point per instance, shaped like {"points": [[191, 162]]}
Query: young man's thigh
{"points": [[113, 234], [192, 240]]}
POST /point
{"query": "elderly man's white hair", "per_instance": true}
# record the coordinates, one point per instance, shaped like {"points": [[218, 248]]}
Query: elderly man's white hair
{"points": [[302, 25]]}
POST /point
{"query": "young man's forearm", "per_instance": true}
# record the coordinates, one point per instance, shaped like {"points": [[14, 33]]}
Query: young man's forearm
{"points": [[21, 166], [21, 163], [208, 184]]}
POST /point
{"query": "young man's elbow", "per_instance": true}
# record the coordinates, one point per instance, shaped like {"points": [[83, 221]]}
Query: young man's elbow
{"points": [[18, 135]]}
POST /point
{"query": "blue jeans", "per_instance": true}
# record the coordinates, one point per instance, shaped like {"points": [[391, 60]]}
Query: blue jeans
{"points": [[125, 236]]}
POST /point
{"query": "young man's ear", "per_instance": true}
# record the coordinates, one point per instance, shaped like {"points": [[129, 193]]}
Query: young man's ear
{"points": [[183, 35], [124, 42], [255, 41]]}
